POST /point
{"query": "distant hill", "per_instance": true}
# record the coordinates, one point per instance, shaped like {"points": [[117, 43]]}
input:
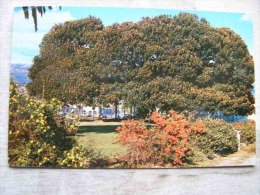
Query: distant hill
{"points": [[20, 73]]}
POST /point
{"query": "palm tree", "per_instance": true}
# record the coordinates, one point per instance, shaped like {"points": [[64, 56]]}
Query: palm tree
{"points": [[34, 9]]}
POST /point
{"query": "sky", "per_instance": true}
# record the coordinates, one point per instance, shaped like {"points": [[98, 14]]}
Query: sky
{"points": [[25, 41]]}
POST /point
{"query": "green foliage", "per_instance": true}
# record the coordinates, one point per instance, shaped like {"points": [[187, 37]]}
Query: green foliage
{"points": [[196, 156], [65, 68], [247, 131], [164, 62], [35, 137], [220, 138]]}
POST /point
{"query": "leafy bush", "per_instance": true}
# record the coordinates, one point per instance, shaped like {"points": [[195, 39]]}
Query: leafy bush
{"points": [[35, 137], [220, 138], [165, 143], [195, 155], [81, 157], [247, 131]]}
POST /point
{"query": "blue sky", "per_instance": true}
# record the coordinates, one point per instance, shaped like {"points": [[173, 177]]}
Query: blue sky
{"points": [[25, 41]]}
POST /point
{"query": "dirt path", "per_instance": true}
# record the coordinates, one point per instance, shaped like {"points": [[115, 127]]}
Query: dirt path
{"points": [[249, 161], [236, 161], [246, 156]]}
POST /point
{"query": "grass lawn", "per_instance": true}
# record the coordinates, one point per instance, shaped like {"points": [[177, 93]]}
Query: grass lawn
{"points": [[101, 136]]}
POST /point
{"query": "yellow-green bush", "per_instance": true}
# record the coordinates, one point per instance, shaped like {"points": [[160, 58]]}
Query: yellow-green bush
{"points": [[35, 137], [81, 157]]}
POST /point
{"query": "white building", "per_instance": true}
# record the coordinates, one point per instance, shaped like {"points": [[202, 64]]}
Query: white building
{"points": [[90, 112]]}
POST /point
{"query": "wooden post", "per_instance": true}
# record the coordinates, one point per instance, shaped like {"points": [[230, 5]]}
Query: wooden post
{"points": [[238, 139]]}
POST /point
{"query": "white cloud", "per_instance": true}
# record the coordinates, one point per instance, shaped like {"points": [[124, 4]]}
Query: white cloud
{"points": [[247, 17], [18, 58], [25, 45], [25, 41], [49, 19]]}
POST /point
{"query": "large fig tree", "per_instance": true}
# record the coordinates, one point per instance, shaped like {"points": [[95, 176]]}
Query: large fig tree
{"points": [[165, 62]]}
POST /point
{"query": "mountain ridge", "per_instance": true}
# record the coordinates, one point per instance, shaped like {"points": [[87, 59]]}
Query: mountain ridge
{"points": [[19, 72]]}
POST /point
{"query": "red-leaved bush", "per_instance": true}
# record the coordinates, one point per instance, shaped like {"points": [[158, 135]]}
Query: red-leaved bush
{"points": [[163, 144]]}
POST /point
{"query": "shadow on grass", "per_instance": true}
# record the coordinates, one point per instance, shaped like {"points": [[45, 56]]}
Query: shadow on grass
{"points": [[98, 129]]}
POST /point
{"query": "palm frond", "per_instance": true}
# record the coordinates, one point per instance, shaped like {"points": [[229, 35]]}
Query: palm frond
{"points": [[34, 15], [26, 12], [39, 8]]}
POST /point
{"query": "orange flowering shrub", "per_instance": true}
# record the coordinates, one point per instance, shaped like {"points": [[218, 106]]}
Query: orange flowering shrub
{"points": [[165, 143], [239, 124]]}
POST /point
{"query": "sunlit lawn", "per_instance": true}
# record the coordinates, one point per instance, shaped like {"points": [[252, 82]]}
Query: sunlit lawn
{"points": [[101, 136]]}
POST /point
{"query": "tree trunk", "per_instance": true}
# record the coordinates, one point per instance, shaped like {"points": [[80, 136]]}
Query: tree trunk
{"points": [[43, 89], [115, 109], [79, 110]]}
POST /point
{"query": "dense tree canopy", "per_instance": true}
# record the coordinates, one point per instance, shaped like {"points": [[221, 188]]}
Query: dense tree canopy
{"points": [[179, 63]]}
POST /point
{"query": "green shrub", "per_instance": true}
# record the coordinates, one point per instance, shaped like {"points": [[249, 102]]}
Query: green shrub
{"points": [[247, 131], [220, 138], [195, 156]]}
